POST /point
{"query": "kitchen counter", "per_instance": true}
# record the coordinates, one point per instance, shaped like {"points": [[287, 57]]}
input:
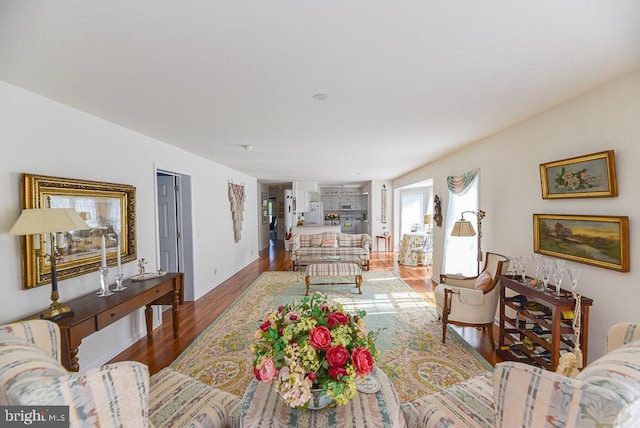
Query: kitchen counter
{"points": [[314, 228]]}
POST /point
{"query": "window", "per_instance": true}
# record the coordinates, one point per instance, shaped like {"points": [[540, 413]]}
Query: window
{"points": [[413, 207], [460, 254]]}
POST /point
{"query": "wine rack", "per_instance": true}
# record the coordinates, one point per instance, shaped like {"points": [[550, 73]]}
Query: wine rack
{"points": [[536, 326]]}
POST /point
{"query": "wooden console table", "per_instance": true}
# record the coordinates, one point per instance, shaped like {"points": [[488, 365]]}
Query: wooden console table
{"points": [[92, 313]]}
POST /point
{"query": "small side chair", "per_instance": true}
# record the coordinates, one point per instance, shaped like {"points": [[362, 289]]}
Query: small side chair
{"points": [[471, 301]]}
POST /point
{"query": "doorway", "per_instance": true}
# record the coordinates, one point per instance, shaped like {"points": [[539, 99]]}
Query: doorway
{"points": [[175, 238]]}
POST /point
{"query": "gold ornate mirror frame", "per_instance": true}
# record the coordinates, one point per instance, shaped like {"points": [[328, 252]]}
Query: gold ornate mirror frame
{"points": [[108, 208]]}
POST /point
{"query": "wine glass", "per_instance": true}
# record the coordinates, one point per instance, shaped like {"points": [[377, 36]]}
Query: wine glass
{"points": [[546, 272], [558, 274], [514, 263], [558, 264], [524, 263], [573, 278], [537, 262]]}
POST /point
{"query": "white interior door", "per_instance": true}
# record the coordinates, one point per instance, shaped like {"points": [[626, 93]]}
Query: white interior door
{"points": [[168, 225]]}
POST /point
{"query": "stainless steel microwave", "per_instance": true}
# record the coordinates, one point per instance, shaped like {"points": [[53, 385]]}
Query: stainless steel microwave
{"points": [[346, 206]]}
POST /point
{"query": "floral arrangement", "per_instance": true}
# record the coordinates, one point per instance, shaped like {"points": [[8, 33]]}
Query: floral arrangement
{"points": [[567, 179], [333, 217], [311, 344]]}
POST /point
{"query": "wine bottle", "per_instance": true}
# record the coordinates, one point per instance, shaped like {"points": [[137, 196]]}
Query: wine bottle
{"points": [[567, 315]]}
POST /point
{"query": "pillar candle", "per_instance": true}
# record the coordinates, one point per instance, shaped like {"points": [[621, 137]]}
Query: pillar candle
{"points": [[104, 252], [119, 256]]}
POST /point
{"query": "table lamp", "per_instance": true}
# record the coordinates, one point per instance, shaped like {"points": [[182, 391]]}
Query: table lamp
{"points": [[35, 221], [464, 227]]}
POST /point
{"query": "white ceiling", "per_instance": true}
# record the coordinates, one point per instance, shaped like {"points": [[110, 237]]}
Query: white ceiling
{"points": [[407, 81]]}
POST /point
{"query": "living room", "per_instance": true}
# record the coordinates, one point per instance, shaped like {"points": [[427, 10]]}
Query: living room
{"points": [[44, 136]]}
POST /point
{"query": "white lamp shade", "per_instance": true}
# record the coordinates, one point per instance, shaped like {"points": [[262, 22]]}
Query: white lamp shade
{"points": [[463, 227], [48, 220]]}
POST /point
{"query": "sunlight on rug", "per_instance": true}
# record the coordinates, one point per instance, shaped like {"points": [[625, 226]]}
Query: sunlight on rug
{"points": [[411, 351]]}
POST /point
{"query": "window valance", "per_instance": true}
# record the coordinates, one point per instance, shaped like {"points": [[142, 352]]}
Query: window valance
{"points": [[459, 184]]}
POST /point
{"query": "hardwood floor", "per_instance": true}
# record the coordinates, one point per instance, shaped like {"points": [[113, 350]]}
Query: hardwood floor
{"points": [[160, 351]]}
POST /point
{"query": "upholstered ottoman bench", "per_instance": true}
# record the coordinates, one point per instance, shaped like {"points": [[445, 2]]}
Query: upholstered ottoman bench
{"points": [[333, 269]]}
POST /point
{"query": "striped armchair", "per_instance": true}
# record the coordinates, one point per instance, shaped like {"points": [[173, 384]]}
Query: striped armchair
{"points": [[606, 393], [114, 395]]}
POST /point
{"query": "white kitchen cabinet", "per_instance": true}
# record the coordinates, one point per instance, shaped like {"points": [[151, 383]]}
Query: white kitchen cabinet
{"points": [[302, 201], [335, 203], [327, 203], [331, 203], [357, 202]]}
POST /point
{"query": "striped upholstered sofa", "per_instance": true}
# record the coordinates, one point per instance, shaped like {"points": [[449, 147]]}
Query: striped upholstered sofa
{"points": [[305, 248], [606, 393], [114, 395]]}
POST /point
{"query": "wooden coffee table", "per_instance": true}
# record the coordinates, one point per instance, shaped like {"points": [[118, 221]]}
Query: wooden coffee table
{"points": [[333, 270]]}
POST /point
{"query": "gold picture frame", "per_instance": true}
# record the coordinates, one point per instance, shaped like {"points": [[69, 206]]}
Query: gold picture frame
{"points": [[588, 176], [601, 241], [108, 208]]}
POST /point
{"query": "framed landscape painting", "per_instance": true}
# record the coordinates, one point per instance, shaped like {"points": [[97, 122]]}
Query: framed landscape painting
{"points": [[589, 176], [601, 241]]}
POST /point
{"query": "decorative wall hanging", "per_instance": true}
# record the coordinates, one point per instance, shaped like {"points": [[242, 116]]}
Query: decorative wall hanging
{"points": [[589, 176], [383, 198], [437, 211], [601, 241], [237, 197], [109, 209]]}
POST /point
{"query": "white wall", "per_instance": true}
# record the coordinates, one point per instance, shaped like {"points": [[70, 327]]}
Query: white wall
{"points": [[41, 136], [375, 209], [263, 234], [606, 118]]}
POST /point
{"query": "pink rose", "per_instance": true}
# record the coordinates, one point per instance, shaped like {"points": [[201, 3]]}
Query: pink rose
{"points": [[337, 356], [362, 360], [290, 317], [320, 338], [267, 370], [265, 325], [337, 372], [337, 318]]}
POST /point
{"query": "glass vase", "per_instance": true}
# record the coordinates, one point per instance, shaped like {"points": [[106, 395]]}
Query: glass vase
{"points": [[319, 400]]}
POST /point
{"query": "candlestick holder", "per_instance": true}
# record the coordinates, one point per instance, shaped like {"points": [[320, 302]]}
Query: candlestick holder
{"points": [[104, 287], [119, 286]]}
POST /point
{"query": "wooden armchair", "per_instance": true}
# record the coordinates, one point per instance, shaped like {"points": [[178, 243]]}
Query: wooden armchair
{"points": [[471, 301]]}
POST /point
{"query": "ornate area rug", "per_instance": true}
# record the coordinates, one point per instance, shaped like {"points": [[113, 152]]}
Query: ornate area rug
{"points": [[411, 350]]}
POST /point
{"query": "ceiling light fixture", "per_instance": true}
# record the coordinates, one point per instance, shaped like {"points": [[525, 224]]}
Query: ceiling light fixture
{"points": [[247, 147], [320, 96]]}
